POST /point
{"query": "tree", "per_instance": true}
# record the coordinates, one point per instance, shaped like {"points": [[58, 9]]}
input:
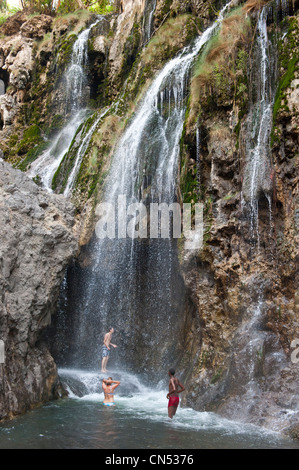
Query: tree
{"points": [[100, 7], [67, 6], [40, 6]]}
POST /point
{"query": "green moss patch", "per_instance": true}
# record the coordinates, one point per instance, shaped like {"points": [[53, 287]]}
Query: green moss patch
{"points": [[220, 72], [32, 137], [288, 60]]}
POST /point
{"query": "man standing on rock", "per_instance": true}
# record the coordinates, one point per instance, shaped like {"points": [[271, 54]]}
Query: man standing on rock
{"points": [[106, 349], [173, 395]]}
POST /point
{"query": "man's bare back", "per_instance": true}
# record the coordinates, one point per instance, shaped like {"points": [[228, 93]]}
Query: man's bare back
{"points": [[175, 387]]}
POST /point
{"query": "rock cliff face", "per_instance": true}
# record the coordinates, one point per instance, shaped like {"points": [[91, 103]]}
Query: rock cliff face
{"points": [[36, 245], [131, 14], [243, 284], [16, 61]]}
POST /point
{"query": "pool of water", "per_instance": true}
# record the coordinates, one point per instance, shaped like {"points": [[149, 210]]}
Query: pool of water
{"points": [[139, 421]]}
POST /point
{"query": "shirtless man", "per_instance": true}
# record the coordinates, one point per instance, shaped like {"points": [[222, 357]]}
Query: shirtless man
{"points": [[106, 349], [108, 386], [173, 395]]}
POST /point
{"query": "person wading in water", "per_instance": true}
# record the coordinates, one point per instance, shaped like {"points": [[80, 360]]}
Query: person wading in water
{"points": [[173, 395], [106, 349], [108, 386]]}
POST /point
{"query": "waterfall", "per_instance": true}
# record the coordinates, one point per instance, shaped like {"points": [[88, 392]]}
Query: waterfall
{"points": [[257, 352], [75, 79], [148, 20], [75, 76], [151, 141], [133, 284], [277, 10], [198, 143], [80, 154], [262, 128], [285, 8], [47, 163], [257, 173]]}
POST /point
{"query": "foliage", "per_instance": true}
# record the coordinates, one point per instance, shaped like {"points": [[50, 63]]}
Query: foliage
{"points": [[102, 7], [62, 7], [6, 11], [3, 5], [41, 6], [3, 18], [67, 6]]}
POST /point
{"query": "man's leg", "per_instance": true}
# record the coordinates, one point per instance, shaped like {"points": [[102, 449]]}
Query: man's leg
{"points": [[172, 411], [104, 363]]}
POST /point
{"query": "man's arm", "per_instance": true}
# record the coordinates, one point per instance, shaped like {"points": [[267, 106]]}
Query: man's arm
{"points": [[182, 388], [114, 345]]}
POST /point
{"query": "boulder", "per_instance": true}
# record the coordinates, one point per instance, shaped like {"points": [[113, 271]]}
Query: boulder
{"points": [[37, 242], [37, 27]]}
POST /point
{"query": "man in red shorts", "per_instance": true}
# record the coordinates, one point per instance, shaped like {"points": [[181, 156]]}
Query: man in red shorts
{"points": [[173, 395]]}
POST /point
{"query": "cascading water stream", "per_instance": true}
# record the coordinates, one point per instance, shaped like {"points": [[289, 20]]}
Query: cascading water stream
{"points": [[258, 182], [75, 75], [256, 351], [46, 165], [80, 154], [134, 284], [198, 144], [149, 19], [260, 166], [156, 131]]}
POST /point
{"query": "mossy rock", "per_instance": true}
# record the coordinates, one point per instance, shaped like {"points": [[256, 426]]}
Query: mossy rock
{"points": [[65, 49], [32, 137], [32, 155], [130, 51], [56, 124], [288, 49]]}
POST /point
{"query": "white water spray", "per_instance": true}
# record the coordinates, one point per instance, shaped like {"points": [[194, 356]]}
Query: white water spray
{"points": [[257, 177], [80, 154], [48, 162]]}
